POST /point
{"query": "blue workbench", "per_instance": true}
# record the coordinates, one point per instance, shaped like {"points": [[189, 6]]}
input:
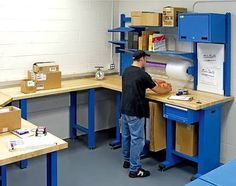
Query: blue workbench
{"points": [[222, 176]]}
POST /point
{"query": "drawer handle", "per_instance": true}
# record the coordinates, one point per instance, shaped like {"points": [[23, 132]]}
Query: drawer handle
{"points": [[204, 38], [183, 37], [213, 111], [176, 107]]}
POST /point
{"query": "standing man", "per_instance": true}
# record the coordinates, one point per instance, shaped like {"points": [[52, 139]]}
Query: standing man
{"points": [[134, 110]]}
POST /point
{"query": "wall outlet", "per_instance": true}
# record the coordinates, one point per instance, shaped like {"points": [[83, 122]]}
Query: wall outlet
{"points": [[112, 66]]}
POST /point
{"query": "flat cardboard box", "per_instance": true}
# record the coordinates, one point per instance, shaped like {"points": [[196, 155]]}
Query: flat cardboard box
{"points": [[53, 80], [28, 86], [157, 127], [136, 13], [136, 21], [145, 39], [186, 139], [151, 19], [45, 67], [10, 119], [170, 15]]}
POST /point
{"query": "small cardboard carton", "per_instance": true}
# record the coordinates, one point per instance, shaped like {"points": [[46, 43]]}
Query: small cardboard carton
{"points": [[52, 80], [151, 19], [170, 15], [136, 18], [45, 67], [186, 139], [10, 119], [28, 86]]}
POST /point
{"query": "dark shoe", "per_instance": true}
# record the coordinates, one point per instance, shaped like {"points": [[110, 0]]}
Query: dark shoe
{"points": [[139, 173], [126, 164]]}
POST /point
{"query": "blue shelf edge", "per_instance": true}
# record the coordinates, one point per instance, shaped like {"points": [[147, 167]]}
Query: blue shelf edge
{"points": [[191, 158], [118, 42], [188, 55], [121, 29]]}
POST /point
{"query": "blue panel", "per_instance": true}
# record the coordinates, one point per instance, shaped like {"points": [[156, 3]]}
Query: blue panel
{"points": [[91, 118], [23, 107], [3, 175], [126, 59], [180, 114], [209, 139], [73, 114], [224, 175], [227, 64], [52, 169], [201, 27]]}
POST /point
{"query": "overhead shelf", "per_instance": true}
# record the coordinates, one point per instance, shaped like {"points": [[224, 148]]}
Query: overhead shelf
{"points": [[121, 29]]}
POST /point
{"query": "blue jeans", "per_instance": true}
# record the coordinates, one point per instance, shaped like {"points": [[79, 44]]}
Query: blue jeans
{"points": [[133, 140]]}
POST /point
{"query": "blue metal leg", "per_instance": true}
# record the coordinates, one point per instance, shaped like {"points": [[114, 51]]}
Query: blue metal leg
{"points": [[209, 139], [23, 106], [73, 115], [117, 142], [91, 118], [171, 159], [52, 169], [3, 175]]}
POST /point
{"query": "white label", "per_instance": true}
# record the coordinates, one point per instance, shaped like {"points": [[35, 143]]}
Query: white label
{"points": [[4, 129], [41, 77], [30, 84], [40, 86], [4, 110], [53, 69]]}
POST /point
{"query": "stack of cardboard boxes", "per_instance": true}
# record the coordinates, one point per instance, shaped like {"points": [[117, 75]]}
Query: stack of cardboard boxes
{"points": [[169, 17], [148, 40], [44, 76]]}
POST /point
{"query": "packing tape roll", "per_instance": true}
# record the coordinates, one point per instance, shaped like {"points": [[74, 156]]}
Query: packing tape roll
{"points": [[178, 70]]}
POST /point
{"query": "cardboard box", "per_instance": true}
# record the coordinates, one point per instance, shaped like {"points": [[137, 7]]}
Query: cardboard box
{"points": [[158, 42], [170, 15], [52, 81], [28, 86], [45, 67], [186, 139], [151, 19], [157, 127], [145, 39], [10, 119], [136, 18]]}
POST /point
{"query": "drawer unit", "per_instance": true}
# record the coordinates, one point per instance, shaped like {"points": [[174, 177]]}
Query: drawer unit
{"points": [[180, 114], [202, 27]]}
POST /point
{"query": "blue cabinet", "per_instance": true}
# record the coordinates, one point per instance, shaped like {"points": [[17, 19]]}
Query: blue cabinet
{"points": [[202, 27]]}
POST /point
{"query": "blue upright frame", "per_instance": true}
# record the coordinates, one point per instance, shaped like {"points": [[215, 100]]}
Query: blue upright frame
{"points": [[90, 131], [209, 123]]}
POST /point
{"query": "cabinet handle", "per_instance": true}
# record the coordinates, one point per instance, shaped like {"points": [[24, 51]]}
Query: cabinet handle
{"points": [[176, 107], [183, 37], [204, 38]]}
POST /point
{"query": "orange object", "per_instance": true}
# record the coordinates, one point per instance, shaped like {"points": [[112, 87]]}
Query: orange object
{"points": [[164, 85]]}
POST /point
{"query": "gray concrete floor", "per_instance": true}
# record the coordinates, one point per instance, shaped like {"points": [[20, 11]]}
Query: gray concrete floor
{"points": [[79, 166]]}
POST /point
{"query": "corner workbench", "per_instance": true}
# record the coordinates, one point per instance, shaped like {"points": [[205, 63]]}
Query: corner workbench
{"points": [[204, 109]]}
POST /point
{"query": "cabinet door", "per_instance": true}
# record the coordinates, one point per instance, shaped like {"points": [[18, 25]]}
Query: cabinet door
{"points": [[194, 28]]}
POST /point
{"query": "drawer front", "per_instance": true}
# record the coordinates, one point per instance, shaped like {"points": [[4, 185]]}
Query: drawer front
{"points": [[180, 114]]}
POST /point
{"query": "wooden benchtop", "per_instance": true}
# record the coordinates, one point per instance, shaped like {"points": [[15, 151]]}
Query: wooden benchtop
{"points": [[113, 82], [7, 157], [5, 99]]}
